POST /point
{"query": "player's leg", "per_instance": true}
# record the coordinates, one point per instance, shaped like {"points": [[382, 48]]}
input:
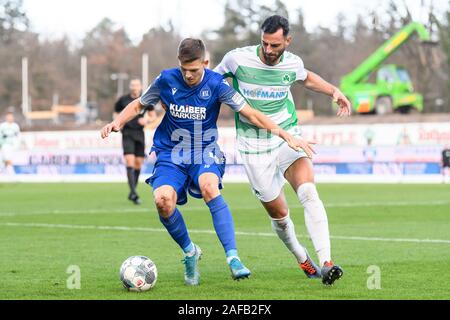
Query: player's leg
{"points": [[208, 183], [169, 182], [166, 204], [139, 156], [284, 227], [7, 158], [446, 173], [2, 162], [166, 201], [301, 177], [130, 158], [9, 168], [138, 164], [267, 183], [443, 174]]}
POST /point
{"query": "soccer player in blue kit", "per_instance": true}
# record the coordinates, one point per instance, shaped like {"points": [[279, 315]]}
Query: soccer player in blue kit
{"points": [[188, 157]]}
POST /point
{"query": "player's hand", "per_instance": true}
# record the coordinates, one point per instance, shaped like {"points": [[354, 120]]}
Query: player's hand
{"points": [[300, 144], [345, 107], [149, 117], [143, 122], [152, 116], [112, 127]]}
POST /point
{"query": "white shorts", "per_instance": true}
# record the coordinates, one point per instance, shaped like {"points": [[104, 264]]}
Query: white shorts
{"points": [[266, 171], [6, 152]]}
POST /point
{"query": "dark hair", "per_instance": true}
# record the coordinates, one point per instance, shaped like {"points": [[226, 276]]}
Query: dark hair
{"points": [[275, 23], [191, 50]]}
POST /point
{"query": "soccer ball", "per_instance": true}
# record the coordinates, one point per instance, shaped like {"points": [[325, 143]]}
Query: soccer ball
{"points": [[138, 274]]}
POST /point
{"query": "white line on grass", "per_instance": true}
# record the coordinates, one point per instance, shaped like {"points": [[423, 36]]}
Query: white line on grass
{"points": [[249, 234], [253, 207]]}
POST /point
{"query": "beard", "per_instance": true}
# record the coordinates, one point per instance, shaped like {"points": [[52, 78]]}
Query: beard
{"points": [[272, 59]]}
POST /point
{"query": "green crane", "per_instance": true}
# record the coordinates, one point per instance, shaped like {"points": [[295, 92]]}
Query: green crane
{"points": [[393, 89]]}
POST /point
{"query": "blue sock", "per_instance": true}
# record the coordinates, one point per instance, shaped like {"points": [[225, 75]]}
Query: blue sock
{"points": [[232, 253], [223, 223], [178, 231]]}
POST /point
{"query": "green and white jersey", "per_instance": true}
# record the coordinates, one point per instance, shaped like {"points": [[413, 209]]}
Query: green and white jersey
{"points": [[267, 89], [9, 134]]}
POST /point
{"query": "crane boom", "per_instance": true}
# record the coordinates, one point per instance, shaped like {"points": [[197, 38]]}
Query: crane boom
{"points": [[384, 52]]}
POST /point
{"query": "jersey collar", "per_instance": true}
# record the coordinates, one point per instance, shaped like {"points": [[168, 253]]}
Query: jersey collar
{"points": [[201, 81]]}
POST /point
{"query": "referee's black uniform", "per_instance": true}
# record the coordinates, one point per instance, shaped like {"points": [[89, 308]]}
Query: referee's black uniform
{"points": [[133, 140], [133, 143], [446, 158]]}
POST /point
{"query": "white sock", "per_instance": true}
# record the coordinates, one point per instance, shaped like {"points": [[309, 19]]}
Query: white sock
{"points": [[316, 221], [285, 230], [9, 170], [190, 251]]}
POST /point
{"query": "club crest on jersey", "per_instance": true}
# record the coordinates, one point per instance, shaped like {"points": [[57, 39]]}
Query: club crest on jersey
{"points": [[287, 79], [205, 94]]}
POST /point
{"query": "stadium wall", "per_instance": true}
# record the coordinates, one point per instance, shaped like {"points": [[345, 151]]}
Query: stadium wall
{"points": [[380, 153]]}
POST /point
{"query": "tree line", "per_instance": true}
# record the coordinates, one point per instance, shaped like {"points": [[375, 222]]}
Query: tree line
{"points": [[54, 64]]}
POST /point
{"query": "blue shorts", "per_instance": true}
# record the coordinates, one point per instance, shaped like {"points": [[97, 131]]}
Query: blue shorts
{"points": [[184, 177]]}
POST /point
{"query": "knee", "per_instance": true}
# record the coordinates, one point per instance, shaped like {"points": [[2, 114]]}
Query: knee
{"points": [[209, 191], [129, 164], [138, 164], [279, 214], [165, 204], [277, 209]]}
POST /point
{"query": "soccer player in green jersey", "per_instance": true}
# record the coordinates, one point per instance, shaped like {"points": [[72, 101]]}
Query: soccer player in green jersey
{"points": [[264, 74]]}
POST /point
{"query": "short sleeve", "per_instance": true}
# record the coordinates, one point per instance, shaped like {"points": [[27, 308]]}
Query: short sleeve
{"points": [[152, 95], [230, 97], [302, 73], [225, 66]]}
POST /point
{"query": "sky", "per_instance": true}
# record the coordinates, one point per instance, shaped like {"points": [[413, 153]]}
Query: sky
{"points": [[54, 18]]}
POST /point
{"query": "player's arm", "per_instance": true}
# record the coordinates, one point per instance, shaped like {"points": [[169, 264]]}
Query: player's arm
{"points": [[129, 113], [260, 120], [225, 67], [148, 118], [315, 83], [145, 103], [236, 102]]}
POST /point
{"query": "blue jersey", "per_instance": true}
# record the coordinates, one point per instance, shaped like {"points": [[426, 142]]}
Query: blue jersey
{"points": [[191, 112]]}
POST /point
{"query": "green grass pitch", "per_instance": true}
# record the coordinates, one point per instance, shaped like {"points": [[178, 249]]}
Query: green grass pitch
{"points": [[404, 230]]}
